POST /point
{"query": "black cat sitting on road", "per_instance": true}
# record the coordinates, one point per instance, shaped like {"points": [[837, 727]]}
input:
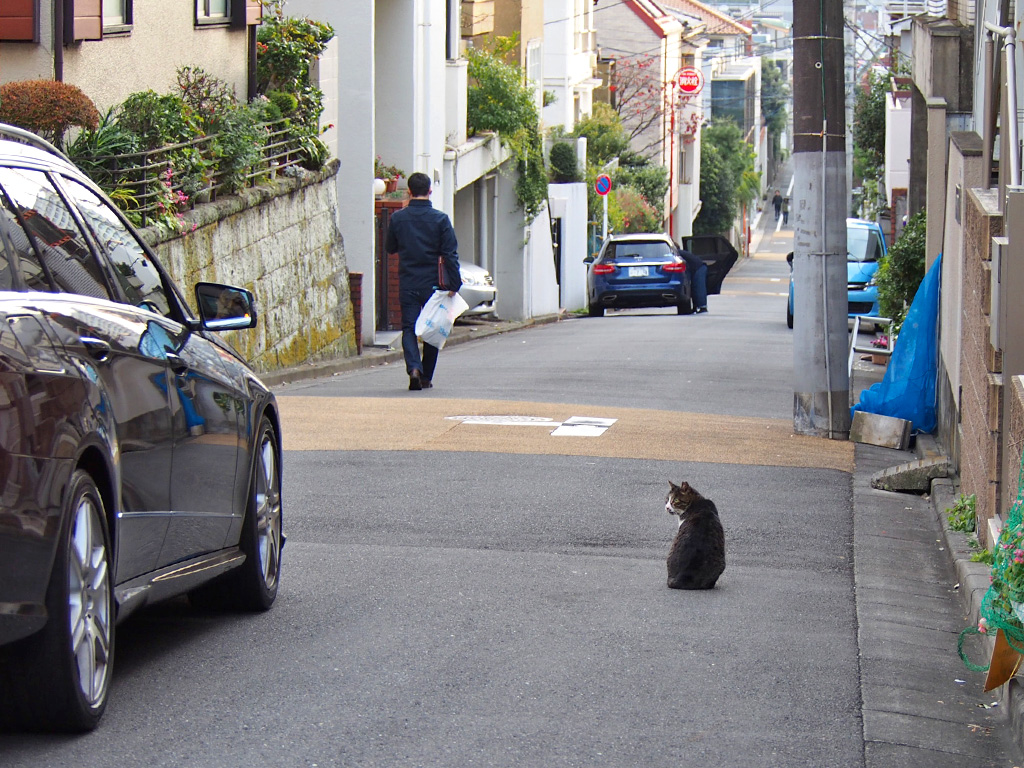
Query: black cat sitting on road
{"points": [[697, 557]]}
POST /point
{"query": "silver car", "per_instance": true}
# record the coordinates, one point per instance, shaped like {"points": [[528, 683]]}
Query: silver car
{"points": [[477, 289]]}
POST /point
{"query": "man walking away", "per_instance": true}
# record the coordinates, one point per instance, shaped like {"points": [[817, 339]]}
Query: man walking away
{"points": [[777, 202], [428, 260]]}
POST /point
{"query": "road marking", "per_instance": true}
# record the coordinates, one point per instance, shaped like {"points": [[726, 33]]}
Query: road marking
{"points": [[574, 426], [401, 423]]}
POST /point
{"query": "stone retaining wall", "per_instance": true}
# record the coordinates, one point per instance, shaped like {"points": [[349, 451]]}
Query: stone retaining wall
{"points": [[281, 241]]}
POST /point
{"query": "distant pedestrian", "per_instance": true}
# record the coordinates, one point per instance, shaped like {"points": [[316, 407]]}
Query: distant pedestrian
{"points": [[785, 210], [698, 281], [777, 202], [428, 259]]}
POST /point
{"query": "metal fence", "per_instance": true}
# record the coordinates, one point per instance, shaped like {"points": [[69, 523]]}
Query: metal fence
{"points": [[170, 179]]}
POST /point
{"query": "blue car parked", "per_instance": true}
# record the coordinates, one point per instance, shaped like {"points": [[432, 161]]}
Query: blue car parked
{"points": [[650, 270], [865, 247]]}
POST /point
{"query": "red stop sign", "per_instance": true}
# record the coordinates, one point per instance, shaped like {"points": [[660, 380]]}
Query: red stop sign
{"points": [[690, 80]]}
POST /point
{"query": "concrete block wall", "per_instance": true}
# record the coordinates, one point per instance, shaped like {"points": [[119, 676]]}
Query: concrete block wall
{"points": [[980, 364], [281, 241]]}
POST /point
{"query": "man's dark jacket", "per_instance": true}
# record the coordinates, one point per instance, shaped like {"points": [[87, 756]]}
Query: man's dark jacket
{"points": [[419, 233]]}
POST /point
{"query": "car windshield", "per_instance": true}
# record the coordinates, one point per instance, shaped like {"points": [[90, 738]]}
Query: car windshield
{"points": [[863, 244], [639, 251]]}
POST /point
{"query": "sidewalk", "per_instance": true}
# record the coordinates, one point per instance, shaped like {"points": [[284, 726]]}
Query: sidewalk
{"points": [[916, 589]]}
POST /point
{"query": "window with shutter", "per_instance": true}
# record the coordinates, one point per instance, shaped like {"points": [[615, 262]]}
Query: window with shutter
{"points": [[83, 20], [19, 20]]}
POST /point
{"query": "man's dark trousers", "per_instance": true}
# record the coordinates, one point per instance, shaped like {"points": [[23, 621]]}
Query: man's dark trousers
{"points": [[412, 302]]}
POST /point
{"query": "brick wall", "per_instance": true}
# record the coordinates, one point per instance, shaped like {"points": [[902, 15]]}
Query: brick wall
{"points": [[980, 364], [281, 241], [1015, 446]]}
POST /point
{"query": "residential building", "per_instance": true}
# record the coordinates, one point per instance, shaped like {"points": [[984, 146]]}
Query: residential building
{"points": [[402, 96], [570, 56], [108, 50]]}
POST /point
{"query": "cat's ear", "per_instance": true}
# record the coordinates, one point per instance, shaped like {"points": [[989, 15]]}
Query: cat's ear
{"points": [[673, 486]]}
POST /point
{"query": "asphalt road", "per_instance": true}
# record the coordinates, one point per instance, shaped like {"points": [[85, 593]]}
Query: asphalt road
{"points": [[459, 594]]}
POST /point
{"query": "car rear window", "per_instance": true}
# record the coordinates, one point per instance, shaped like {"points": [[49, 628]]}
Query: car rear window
{"points": [[639, 251]]}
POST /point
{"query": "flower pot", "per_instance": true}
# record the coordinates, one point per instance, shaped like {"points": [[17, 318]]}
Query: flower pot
{"points": [[392, 185]]}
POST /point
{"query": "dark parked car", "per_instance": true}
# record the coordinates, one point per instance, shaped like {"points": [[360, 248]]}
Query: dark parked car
{"points": [[648, 270], [139, 455]]}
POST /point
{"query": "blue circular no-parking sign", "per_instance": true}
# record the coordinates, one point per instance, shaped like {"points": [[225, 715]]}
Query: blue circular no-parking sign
{"points": [[603, 185]]}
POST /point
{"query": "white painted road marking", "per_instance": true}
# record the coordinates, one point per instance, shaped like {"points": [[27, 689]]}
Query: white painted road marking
{"points": [[575, 426]]}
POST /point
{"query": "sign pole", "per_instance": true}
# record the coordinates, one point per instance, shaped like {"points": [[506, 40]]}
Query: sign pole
{"points": [[603, 185], [604, 223]]}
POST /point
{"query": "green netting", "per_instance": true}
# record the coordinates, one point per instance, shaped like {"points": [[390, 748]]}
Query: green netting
{"points": [[1003, 604]]}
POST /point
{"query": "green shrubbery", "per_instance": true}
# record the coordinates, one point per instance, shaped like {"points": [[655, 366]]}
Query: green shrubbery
{"points": [[902, 270]]}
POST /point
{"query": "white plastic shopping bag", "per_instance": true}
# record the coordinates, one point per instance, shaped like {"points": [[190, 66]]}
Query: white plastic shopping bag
{"points": [[435, 321]]}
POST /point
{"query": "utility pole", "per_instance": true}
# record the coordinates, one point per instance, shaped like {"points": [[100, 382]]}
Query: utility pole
{"points": [[821, 382]]}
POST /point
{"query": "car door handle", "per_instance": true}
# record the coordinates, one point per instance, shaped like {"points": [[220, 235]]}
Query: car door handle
{"points": [[179, 366], [98, 348]]}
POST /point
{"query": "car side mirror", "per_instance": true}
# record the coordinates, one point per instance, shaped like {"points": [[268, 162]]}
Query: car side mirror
{"points": [[225, 307], [589, 259]]}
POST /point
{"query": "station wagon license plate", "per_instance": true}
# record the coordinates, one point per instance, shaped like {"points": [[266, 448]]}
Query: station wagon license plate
{"points": [[638, 271]]}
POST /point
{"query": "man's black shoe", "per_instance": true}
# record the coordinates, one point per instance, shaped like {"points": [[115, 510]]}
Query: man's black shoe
{"points": [[415, 381], [700, 310], [426, 383]]}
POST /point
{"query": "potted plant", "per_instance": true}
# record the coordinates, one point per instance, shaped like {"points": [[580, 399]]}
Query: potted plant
{"points": [[880, 342], [389, 173]]}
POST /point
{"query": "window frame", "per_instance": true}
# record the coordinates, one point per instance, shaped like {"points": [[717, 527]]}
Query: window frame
{"points": [[204, 19], [126, 22]]}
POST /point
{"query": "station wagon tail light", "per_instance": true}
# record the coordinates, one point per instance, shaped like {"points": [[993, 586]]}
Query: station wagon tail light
{"points": [[604, 269], [678, 267]]}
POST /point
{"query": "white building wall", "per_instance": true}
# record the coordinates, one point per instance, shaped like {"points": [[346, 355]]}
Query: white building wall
{"points": [[568, 202], [349, 106], [897, 144], [568, 61]]}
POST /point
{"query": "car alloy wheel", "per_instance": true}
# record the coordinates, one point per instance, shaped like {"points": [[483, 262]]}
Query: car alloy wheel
{"points": [[90, 614], [266, 507], [253, 585]]}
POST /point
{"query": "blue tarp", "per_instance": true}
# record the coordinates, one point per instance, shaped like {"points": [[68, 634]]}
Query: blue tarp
{"points": [[908, 389]]}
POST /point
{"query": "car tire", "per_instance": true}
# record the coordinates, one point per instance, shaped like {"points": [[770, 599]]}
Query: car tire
{"points": [[789, 317], [58, 679], [685, 307], [253, 585], [595, 310]]}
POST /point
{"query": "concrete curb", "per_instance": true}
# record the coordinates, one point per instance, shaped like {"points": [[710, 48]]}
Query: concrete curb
{"points": [[464, 331], [973, 584]]}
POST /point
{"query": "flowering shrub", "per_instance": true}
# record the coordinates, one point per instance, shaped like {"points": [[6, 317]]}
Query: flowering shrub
{"points": [[629, 212], [880, 342], [170, 203], [46, 107], [1003, 605]]}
